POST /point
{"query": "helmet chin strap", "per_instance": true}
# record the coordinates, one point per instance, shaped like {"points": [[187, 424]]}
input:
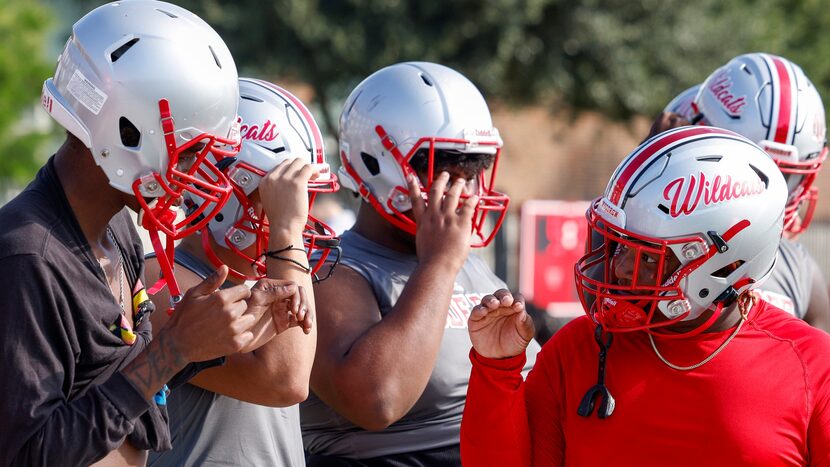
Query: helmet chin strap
{"points": [[165, 255]]}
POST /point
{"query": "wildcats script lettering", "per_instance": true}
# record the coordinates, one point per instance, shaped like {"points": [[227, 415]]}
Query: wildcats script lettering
{"points": [[685, 194]]}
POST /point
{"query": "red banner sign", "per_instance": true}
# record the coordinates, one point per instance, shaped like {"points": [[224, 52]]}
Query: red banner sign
{"points": [[553, 239]]}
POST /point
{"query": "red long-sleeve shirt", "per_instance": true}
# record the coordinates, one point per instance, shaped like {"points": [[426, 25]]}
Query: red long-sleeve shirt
{"points": [[764, 400]]}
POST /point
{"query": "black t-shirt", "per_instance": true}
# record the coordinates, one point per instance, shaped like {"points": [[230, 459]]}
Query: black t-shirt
{"points": [[64, 400]]}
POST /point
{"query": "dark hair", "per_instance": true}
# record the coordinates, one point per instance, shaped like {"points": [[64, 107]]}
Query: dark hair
{"points": [[468, 164]]}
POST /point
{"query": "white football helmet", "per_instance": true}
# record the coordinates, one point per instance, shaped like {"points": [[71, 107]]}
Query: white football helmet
{"points": [[408, 107], [682, 104], [705, 196], [770, 100], [140, 82], [276, 126]]}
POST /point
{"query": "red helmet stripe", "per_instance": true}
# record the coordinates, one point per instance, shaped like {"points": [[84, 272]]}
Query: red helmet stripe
{"points": [[656, 147], [785, 100]]}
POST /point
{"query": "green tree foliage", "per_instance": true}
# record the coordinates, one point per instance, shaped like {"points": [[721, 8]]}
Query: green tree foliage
{"points": [[619, 57], [332, 44], [24, 25], [798, 31]]}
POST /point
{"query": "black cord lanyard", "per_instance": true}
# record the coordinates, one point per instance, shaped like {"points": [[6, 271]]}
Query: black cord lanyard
{"points": [[599, 390]]}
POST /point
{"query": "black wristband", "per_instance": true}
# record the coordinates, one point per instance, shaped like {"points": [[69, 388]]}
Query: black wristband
{"points": [[275, 255]]}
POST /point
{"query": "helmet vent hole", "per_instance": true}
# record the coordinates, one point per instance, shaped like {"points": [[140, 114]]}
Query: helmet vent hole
{"points": [[278, 150], [663, 208], [426, 80], [371, 163], [215, 58], [117, 53], [746, 69], [167, 13], [251, 98], [728, 269], [761, 175], [709, 158], [130, 136], [225, 163]]}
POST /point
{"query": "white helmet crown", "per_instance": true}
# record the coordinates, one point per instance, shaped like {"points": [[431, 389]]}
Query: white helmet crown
{"points": [[408, 107]]}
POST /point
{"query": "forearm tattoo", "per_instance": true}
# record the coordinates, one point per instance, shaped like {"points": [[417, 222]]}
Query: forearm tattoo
{"points": [[155, 365]]}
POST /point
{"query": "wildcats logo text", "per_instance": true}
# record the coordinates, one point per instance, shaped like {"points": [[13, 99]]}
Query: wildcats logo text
{"points": [[266, 132], [685, 194], [721, 88]]}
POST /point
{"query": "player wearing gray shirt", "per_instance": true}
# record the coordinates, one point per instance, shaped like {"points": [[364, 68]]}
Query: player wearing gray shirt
{"points": [[207, 428], [793, 284], [435, 418], [389, 379]]}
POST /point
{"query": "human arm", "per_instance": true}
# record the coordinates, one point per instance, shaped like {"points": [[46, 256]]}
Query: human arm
{"points": [[372, 370], [818, 310], [501, 410], [277, 373], [819, 432], [208, 323], [240, 377], [48, 417], [818, 394]]}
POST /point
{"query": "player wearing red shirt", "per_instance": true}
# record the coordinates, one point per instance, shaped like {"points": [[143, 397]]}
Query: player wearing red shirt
{"points": [[693, 368]]}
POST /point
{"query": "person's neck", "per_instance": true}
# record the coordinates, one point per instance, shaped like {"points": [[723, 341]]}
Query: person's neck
{"points": [[193, 246], [371, 225], [93, 201]]}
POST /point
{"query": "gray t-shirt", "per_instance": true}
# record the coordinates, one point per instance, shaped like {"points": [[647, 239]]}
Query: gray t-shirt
{"points": [[435, 419], [211, 429], [790, 283]]}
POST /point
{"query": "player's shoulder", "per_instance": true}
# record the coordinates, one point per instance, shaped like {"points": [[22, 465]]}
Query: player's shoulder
{"points": [[780, 325], [25, 226], [792, 250]]}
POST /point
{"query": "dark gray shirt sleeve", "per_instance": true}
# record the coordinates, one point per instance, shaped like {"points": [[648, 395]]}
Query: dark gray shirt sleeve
{"points": [[39, 424]]}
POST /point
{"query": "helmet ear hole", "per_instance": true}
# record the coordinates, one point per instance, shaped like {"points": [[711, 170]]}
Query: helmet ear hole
{"points": [[130, 136], [371, 163]]}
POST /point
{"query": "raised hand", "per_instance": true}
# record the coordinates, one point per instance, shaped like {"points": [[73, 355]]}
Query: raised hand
{"points": [[445, 223], [499, 326], [284, 195], [210, 323]]}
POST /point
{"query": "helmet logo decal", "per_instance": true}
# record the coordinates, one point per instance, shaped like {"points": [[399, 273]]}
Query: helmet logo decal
{"points": [[265, 132], [721, 88], [46, 101], [686, 193]]}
